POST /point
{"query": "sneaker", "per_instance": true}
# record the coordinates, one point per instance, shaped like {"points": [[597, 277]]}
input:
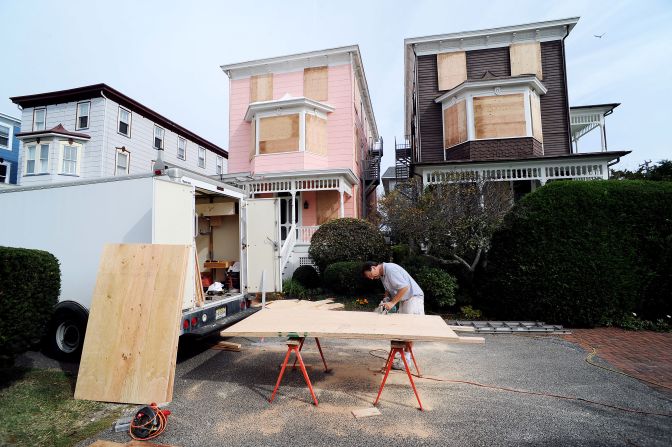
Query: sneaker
{"points": [[398, 365]]}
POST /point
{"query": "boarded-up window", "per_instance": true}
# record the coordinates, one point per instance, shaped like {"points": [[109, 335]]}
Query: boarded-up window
{"points": [[525, 59], [499, 116], [279, 134], [328, 206], [261, 88], [315, 83], [316, 134], [253, 139], [455, 124], [535, 109], [452, 69]]}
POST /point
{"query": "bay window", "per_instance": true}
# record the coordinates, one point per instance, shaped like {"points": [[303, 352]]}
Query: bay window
{"points": [[37, 159]]}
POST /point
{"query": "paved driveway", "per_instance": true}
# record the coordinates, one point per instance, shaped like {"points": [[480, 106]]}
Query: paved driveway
{"points": [[221, 398]]}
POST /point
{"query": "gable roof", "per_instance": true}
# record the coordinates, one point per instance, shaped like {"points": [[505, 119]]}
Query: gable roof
{"points": [[105, 91]]}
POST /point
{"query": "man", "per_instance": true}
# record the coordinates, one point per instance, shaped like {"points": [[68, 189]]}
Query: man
{"points": [[400, 288]]}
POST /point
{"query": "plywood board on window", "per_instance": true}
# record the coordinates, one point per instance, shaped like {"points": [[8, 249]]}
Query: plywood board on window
{"points": [[328, 206], [455, 124], [316, 83], [499, 116], [535, 109], [451, 69], [344, 324], [526, 59], [131, 337], [279, 134], [316, 134], [253, 139], [261, 88]]}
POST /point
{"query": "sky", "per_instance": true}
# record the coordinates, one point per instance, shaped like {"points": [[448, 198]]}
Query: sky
{"points": [[167, 54]]}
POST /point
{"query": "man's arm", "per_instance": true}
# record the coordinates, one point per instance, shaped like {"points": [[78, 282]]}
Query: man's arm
{"points": [[390, 304]]}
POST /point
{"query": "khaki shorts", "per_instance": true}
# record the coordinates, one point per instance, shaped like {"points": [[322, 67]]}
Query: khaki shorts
{"points": [[414, 305]]}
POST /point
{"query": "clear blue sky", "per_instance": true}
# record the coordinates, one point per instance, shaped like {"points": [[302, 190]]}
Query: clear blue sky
{"points": [[166, 54]]}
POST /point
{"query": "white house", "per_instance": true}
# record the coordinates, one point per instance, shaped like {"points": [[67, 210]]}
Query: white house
{"points": [[96, 131]]}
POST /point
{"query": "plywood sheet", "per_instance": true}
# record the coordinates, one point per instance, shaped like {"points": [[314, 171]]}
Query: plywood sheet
{"points": [[499, 116], [261, 88], [356, 325], [327, 304], [451, 69], [455, 124], [535, 109], [131, 338], [279, 134], [526, 59], [316, 134], [253, 139], [328, 206], [315, 83]]}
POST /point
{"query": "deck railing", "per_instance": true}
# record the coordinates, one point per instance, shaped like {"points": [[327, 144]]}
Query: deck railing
{"points": [[305, 234]]}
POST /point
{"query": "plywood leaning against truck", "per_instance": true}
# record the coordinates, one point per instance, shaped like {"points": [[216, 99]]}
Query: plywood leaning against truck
{"points": [[131, 339]]}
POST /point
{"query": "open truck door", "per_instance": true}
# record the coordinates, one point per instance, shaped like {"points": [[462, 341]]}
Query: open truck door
{"points": [[261, 246]]}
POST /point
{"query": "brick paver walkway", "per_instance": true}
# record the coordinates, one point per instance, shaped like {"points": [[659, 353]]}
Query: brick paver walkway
{"points": [[643, 354]]}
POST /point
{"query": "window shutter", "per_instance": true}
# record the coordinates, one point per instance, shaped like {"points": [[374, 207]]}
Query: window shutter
{"points": [[451, 69]]}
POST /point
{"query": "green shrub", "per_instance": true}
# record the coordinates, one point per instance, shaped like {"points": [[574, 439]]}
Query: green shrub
{"points": [[346, 278], [291, 288], [29, 290], [400, 253], [469, 313], [307, 276], [439, 287], [583, 254], [347, 239]]}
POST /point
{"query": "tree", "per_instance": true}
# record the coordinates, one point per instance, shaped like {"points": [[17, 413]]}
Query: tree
{"points": [[661, 171], [449, 222]]}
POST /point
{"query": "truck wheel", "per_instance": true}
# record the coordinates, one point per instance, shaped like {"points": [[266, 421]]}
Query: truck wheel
{"points": [[65, 335]]}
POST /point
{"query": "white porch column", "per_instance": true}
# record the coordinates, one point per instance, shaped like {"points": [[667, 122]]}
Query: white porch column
{"points": [[602, 135], [342, 211], [291, 208]]}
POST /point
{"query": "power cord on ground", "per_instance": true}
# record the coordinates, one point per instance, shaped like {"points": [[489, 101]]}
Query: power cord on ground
{"points": [[513, 390]]}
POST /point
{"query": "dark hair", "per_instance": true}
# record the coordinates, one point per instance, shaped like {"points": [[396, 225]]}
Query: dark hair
{"points": [[367, 266]]}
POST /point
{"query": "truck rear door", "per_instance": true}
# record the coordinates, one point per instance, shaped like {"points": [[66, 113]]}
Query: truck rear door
{"points": [[262, 245]]}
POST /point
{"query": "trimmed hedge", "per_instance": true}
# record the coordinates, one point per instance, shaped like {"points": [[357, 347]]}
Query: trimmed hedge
{"points": [[583, 254], [347, 239], [29, 290], [438, 286], [307, 276], [346, 278]]}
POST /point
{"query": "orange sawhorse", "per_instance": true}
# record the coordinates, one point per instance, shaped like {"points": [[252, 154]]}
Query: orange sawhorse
{"points": [[295, 344], [397, 346]]}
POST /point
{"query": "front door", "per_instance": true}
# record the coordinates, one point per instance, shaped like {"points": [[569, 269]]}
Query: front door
{"points": [[286, 212]]}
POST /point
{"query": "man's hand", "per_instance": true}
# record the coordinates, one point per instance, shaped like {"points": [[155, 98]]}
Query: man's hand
{"points": [[388, 305]]}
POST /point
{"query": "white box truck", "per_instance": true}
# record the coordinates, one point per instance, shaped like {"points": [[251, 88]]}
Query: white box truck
{"points": [[74, 220]]}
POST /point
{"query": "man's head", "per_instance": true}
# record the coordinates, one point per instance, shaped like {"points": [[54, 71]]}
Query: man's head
{"points": [[372, 270]]}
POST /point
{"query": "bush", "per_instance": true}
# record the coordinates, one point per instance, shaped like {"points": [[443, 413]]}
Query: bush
{"points": [[400, 253], [291, 288], [583, 254], [347, 239], [29, 290], [307, 276], [346, 278], [439, 287]]}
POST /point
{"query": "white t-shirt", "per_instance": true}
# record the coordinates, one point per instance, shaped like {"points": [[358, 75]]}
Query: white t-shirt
{"points": [[395, 278]]}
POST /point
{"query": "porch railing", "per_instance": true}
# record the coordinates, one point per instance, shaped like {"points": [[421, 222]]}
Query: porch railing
{"points": [[305, 234], [287, 247]]}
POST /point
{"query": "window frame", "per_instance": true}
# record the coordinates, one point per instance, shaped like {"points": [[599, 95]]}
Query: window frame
{"points": [[219, 165], [37, 160], [116, 161], [184, 154], [130, 120], [163, 137], [78, 116], [61, 159], [201, 148], [10, 137], [8, 172], [35, 110]]}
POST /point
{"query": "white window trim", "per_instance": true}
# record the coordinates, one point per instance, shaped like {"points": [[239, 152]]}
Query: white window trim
{"points": [[198, 161], [77, 116], [61, 155], [219, 165], [128, 162], [10, 138], [184, 156], [163, 137], [38, 149], [9, 171], [45, 117], [130, 119]]}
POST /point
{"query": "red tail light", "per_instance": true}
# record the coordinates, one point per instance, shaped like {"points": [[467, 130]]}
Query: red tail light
{"points": [[194, 321], [243, 305], [185, 324]]}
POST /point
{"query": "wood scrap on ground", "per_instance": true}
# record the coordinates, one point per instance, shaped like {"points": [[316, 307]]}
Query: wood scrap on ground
{"points": [[327, 304], [365, 412], [130, 347], [226, 346]]}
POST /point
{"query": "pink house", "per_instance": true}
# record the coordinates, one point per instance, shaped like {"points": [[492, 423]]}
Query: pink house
{"points": [[302, 128]]}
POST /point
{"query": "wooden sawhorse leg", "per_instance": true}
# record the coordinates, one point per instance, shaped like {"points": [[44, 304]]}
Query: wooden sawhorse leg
{"points": [[293, 345], [398, 347], [319, 347]]}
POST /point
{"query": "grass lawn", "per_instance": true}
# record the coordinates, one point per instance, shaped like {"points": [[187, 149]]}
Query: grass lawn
{"points": [[37, 408]]}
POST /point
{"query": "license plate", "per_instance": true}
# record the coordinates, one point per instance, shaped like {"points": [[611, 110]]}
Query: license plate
{"points": [[220, 313]]}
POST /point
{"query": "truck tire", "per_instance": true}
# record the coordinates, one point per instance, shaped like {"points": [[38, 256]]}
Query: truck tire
{"points": [[64, 338]]}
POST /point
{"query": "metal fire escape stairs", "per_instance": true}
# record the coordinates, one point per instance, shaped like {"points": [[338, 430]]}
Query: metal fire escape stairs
{"points": [[402, 158], [372, 154]]}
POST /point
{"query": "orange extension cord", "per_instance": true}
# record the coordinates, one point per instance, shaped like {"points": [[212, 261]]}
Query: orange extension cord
{"points": [[162, 420], [535, 393]]}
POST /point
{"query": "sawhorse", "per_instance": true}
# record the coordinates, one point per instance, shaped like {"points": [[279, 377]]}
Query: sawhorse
{"points": [[296, 344], [397, 347]]}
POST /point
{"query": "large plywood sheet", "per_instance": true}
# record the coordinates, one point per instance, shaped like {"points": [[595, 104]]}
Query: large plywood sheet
{"points": [[253, 139], [279, 134], [316, 134], [131, 338], [499, 116], [535, 109], [455, 124], [261, 88], [298, 322], [525, 59], [315, 83], [451, 69]]}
